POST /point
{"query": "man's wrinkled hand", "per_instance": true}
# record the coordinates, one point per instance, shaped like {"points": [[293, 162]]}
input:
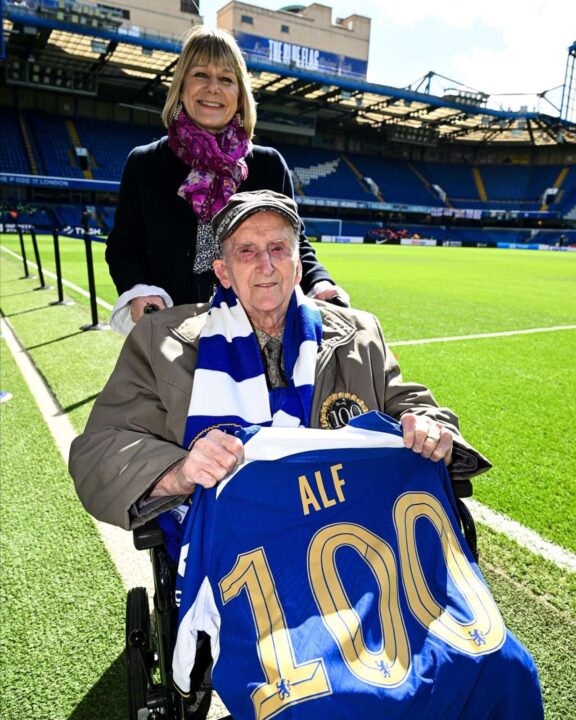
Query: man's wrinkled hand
{"points": [[427, 437], [211, 459]]}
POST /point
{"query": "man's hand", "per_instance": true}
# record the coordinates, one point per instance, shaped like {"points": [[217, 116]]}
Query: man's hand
{"points": [[212, 458], [138, 304], [427, 437]]}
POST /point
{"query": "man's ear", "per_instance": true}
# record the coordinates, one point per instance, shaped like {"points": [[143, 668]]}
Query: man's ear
{"points": [[298, 277], [219, 267]]}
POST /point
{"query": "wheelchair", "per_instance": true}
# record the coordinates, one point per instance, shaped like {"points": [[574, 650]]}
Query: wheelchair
{"points": [[151, 637], [150, 640]]}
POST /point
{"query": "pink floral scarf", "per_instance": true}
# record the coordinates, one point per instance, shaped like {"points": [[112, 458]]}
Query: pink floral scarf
{"points": [[217, 164]]}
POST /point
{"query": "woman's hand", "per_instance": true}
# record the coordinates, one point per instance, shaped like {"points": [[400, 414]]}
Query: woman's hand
{"points": [[334, 294], [427, 437], [138, 304], [212, 458]]}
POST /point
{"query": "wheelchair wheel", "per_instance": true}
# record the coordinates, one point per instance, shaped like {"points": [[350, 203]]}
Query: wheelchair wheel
{"points": [[138, 651]]}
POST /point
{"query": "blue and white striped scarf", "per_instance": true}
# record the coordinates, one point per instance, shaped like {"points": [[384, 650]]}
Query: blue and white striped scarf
{"points": [[230, 389]]}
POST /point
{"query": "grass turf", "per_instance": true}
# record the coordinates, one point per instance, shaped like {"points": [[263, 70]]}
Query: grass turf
{"points": [[417, 292], [537, 602], [513, 395], [422, 292], [62, 599], [77, 363]]}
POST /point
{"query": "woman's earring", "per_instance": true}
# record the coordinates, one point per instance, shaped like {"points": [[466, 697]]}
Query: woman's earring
{"points": [[177, 111], [240, 120]]}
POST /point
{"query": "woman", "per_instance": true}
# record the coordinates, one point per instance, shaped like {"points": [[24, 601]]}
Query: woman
{"points": [[161, 248]]}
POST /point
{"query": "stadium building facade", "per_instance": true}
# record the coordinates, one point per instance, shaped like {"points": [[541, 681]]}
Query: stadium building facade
{"points": [[300, 37]]}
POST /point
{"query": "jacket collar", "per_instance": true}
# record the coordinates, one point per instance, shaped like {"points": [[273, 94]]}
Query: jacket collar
{"points": [[337, 329]]}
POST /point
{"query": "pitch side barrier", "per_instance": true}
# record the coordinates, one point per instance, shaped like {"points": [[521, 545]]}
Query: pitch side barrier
{"points": [[432, 242], [85, 233], [31, 230]]}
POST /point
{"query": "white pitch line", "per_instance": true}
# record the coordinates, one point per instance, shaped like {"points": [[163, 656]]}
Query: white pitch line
{"points": [[134, 566], [479, 336], [69, 284], [522, 535]]}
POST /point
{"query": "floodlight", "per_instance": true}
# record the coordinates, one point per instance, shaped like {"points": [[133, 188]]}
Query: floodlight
{"points": [[99, 46]]}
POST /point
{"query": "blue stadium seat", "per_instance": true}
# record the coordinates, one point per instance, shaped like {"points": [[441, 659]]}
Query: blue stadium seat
{"points": [[396, 180], [456, 181], [13, 156], [323, 173], [53, 143], [109, 144]]}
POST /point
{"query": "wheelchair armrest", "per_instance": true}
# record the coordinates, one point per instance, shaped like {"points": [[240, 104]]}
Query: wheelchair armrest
{"points": [[148, 536]]}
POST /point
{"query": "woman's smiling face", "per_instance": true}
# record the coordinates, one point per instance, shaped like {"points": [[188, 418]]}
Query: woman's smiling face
{"points": [[210, 95]]}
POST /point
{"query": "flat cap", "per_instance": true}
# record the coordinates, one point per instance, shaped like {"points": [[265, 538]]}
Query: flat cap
{"points": [[243, 204]]}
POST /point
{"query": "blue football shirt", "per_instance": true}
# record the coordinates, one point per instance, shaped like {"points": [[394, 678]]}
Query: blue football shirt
{"points": [[333, 579]]}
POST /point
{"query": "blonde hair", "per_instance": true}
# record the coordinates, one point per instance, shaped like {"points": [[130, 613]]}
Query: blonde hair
{"points": [[212, 47]]}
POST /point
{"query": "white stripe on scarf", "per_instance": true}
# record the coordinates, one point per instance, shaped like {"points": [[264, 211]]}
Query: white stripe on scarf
{"points": [[223, 395]]}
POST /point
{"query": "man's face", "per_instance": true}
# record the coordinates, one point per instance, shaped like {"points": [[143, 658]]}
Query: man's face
{"points": [[261, 264]]}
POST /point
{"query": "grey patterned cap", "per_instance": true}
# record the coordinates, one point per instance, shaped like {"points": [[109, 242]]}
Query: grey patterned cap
{"points": [[243, 204]]}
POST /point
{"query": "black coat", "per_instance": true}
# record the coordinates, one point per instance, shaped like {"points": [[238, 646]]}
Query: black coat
{"points": [[153, 240]]}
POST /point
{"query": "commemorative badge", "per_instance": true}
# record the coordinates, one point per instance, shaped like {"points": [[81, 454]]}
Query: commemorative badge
{"points": [[339, 408]]}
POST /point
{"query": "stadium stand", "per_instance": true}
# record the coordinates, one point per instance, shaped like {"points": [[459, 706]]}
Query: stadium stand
{"points": [[13, 157], [109, 143], [68, 216], [53, 145], [362, 156], [38, 217], [397, 180], [323, 173], [457, 181], [317, 173], [507, 183]]}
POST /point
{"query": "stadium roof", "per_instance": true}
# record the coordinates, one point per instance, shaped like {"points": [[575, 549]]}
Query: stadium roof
{"points": [[94, 55]]}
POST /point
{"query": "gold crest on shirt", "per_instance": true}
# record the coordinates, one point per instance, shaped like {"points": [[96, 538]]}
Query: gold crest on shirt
{"points": [[339, 408]]}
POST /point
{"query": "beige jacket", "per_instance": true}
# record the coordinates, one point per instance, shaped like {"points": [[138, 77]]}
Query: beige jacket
{"points": [[135, 429]]}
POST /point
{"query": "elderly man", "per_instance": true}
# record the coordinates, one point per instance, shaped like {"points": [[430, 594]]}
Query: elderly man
{"points": [[316, 601], [261, 354]]}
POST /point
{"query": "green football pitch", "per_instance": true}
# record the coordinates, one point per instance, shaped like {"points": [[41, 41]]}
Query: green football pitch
{"points": [[490, 331]]}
